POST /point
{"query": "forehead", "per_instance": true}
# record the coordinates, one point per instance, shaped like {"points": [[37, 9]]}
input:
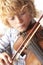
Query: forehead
{"points": [[18, 11], [22, 9]]}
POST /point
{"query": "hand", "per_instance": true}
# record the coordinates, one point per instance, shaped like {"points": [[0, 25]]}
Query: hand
{"points": [[5, 59]]}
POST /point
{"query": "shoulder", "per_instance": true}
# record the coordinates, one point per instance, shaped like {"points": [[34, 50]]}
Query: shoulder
{"points": [[11, 31], [14, 31]]}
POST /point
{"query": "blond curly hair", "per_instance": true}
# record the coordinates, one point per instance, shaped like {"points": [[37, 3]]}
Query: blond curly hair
{"points": [[11, 7]]}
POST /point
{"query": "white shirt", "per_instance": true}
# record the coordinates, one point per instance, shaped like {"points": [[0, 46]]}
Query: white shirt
{"points": [[6, 44]]}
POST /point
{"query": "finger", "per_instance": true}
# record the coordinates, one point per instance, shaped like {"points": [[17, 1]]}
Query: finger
{"points": [[4, 57], [8, 57], [5, 60], [1, 62]]}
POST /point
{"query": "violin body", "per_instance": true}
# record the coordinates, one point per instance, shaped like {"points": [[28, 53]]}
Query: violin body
{"points": [[33, 59]]}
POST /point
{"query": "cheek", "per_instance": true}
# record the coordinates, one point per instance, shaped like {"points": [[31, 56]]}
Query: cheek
{"points": [[12, 23], [27, 20]]}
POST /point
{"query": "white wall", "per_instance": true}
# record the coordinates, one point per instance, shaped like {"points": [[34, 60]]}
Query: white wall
{"points": [[39, 7], [39, 4], [2, 28]]}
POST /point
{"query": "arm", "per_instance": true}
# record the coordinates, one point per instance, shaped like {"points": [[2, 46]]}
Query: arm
{"points": [[4, 55]]}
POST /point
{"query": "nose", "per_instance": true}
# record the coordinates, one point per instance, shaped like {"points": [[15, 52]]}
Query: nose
{"points": [[19, 19]]}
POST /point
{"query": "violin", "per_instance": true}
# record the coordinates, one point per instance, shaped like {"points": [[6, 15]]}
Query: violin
{"points": [[21, 48]]}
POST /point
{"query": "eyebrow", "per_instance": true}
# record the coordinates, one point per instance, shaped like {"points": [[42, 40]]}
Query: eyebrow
{"points": [[23, 7]]}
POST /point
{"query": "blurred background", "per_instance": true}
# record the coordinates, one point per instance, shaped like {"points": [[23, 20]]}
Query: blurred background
{"points": [[39, 7]]}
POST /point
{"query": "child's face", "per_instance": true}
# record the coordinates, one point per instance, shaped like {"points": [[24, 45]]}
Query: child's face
{"points": [[20, 21]]}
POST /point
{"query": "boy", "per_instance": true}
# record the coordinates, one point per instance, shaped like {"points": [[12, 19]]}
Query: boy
{"points": [[18, 15]]}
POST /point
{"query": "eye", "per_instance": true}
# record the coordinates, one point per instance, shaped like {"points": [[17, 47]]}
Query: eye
{"points": [[12, 18], [23, 13]]}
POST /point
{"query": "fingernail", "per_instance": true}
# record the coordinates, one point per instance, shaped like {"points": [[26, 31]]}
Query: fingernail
{"points": [[10, 61]]}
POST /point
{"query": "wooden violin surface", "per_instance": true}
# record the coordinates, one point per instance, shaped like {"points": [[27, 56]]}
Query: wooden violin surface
{"points": [[39, 36], [31, 59]]}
